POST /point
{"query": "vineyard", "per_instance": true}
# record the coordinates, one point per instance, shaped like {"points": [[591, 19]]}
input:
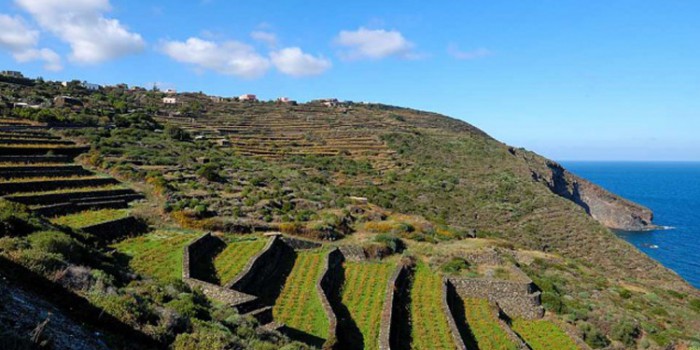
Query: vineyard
{"points": [[430, 329], [363, 295], [485, 327], [90, 217], [299, 305], [157, 254], [232, 260], [543, 335]]}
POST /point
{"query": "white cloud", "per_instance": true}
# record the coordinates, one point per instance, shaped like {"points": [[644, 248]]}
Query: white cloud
{"points": [[230, 57], [21, 41], [293, 61], [374, 44], [270, 39], [81, 23], [455, 52]]}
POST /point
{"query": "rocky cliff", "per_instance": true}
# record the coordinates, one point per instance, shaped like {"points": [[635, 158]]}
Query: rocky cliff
{"points": [[607, 208]]}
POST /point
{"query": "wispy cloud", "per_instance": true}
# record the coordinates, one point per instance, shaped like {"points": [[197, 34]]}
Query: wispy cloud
{"points": [[92, 37], [455, 52], [366, 43], [22, 42], [268, 38]]}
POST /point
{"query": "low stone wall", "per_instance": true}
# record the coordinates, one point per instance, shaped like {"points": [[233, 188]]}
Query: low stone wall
{"points": [[35, 159], [50, 185], [516, 298], [353, 253], [326, 286], [394, 309], [47, 199], [449, 298], [300, 244], [72, 207], [259, 266], [30, 151], [116, 229], [514, 337], [196, 250]]}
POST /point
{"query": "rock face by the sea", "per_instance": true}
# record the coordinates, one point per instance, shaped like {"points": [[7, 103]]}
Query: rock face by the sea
{"points": [[607, 208]]}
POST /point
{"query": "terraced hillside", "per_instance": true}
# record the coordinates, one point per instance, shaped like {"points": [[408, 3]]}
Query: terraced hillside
{"points": [[429, 321], [231, 261]]}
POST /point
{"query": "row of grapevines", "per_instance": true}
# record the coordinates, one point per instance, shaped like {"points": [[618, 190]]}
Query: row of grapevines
{"points": [[485, 327], [363, 295], [232, 260], [543, 335], [299, 305], [430, 329]]}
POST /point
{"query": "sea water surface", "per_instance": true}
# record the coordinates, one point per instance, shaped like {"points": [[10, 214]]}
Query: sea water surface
{"points": [[672, 191]]}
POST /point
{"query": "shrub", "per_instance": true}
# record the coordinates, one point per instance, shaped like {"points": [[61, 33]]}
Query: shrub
{"points": [[189, 306], [626, 332], [624, 293], [455, 265], [392, 242], [56, 242], [209, 172], [16, 220], [592, 336], [695, 305], [175, 133], [41, 261]]}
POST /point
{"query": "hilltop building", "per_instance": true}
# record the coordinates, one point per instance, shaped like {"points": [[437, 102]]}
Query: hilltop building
{"points": [[169, 100], [286, 100], [90, 86], [247, 97], [170, 91], [12, 73]]}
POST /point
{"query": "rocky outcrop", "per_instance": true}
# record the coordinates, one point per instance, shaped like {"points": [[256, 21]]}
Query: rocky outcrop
{"points": [[607, 208]]}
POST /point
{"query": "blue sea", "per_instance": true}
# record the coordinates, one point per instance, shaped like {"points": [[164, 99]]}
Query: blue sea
{"points": [[672, 191]]}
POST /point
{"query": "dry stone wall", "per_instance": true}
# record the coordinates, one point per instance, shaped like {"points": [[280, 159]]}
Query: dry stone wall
{"points": [[327, 286], [117, 229], [516, 298], [395, 309], [449, 298]]}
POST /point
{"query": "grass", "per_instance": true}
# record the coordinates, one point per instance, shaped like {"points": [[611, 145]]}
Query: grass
{"points": [[232, 260], [90, 217], [483, 324], [299, 305], [543, 335], [158, 254], [363, 295], [430, 329]]}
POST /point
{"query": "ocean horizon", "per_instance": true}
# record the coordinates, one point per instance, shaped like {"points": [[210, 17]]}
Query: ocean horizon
{"points": [[672, 191]]}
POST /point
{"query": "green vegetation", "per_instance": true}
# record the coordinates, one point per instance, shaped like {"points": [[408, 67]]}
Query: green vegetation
{"points": [[157, 254], [231, 261], [483, 324], [363, 294], [299, 305], [543, 335], [430, 329], [90, 217]]}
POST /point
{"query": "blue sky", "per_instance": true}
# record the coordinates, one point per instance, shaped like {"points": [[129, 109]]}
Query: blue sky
{"points": [[572, 80]]}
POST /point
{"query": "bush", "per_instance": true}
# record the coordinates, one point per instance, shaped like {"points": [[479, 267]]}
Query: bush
{"points": [[626, 332], [695, 305], [175, 133], [188, 305], [392, 242], [209, 172], [56, 242], [16, 220], [592, 336], [455, 265], [41, 261], [205, 335]]}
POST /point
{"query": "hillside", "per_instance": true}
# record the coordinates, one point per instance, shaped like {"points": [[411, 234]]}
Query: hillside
{"points": [[453, 202]]}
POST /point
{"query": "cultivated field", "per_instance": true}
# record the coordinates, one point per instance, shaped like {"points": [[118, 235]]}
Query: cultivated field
{"points": [[232, 260], [430, 329], [483, 324], [299, 305], [90, 217], [363, 294], [543, 335], [157, 254]]}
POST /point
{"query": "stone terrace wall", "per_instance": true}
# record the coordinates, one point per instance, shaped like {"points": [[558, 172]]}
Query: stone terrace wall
{"points": [[448, 298], [49, 185], [326, 286], [196, 250], [393, 310], [300, 244], [116, 229], [264, 269], [353, 253], [254, 264], [516, 298], [46, 199]]}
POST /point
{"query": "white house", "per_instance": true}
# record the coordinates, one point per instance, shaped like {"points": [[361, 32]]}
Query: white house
{"points": [[171, 91], [169, 100], [247, 97], [89, 86]]}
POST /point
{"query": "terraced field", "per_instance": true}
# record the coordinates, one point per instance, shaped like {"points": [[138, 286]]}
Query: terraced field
{"points": [[231, 261], [430, 329], [363, 295], [487, 331], [157, 254], [299, 305], [543, 335], [90, 217]]}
